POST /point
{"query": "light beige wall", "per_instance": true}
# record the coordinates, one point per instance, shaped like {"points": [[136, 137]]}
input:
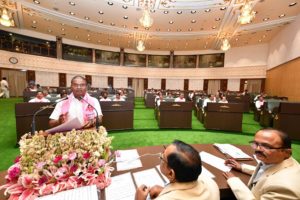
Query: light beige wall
{"points": [[284, 80]]}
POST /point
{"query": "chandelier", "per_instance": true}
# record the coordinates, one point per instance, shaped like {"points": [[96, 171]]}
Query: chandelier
{"points": [[6, 18], [140, 45], [146, 21], [247, 14], [140, 39], [225, 45]]}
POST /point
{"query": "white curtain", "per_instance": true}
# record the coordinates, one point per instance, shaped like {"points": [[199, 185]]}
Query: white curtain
{"points": [[138, 86], [196, 84], [213, 86], [254, 86]]}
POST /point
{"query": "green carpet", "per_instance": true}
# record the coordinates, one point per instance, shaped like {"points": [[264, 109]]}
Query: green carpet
{"points": [[145, 133]]}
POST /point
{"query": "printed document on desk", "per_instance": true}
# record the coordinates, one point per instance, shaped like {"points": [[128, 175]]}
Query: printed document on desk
{"points": [[214, 161], [128, 159], [86, 192], [121, 188], [232, 151], [67, 126], [149, 177]]}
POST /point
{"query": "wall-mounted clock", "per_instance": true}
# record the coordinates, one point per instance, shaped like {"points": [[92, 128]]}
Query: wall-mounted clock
{"points": [[13, 60]]}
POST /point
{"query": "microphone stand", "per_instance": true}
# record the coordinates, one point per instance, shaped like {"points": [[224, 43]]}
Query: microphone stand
{"points": [[97, 118], [40, 110]]}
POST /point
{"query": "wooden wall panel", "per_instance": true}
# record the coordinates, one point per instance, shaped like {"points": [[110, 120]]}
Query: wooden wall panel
{"points": [[62, 79], [284, 80], [163, 84], [30, 75]]}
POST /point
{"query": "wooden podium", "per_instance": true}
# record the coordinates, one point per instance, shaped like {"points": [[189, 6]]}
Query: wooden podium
{"points": [[175, 115], [288, 119], [227, 116], [117, 115], [24, 113]]}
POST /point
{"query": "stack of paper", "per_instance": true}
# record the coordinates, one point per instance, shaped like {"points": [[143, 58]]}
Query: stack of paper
{"points": [[148, 177], [214, 161], [87, 192], [128, 159], [232, 151]]}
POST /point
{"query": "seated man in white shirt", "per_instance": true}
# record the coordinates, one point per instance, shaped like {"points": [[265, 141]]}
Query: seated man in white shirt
{"points": [[259, 103], [118, 97], [223, 100], [104, 97], [39, 98], [210, 99], [180, 98], [79, 104]]}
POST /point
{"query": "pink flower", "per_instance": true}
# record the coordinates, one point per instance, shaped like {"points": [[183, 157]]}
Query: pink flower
{"points": [[40, 165], [101, 162], [17, 159], [42, 180], [61, 173], [14, 171], [26, 181], [73, 168], [72, 156], [57, 159], [86, 155], [117, 154]]}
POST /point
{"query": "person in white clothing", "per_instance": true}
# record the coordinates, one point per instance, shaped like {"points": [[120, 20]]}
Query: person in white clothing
{"points": [[180, 98], [118, 97], [210, 99], [4, 88], [259, 103], [39, 98], [79, 104], [104, 97]]}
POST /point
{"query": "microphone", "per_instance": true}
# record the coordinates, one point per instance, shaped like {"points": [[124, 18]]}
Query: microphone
{"points": [[40, 110], [97, 118]]}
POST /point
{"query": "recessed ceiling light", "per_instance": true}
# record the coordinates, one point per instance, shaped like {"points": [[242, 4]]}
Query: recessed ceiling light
{"points": [[99, 41], [49, 30], [168, 30], [223, 8], [110, 3], [157, 29], [101, 12], [193, 21], [34, 22], [36, 2], [190, 29], [124, 26], [72, 3], [218, 19], [62, 24], [266, 19], [179, 12], [100, 21], [171, 22], [71, 13], [259, 40], [214, 27], [292, 4], [166, 12], [179, 30], [236, 39], [112, 24], [63, 29], [282, 15], [207, 10], [86, 18], [193, 11], [33, 26], [89, 39], [264, 36], [125, 17], [124, 6], [88, 35]]}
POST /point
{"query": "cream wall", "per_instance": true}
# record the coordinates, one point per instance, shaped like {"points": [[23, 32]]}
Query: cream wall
{"points": [[196, 84], [99, 81], [233, 84], [154, 83], [285, 46], [120, 82], [47, 78], [175, 84]]}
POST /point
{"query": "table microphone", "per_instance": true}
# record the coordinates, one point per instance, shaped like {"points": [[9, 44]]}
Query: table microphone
{"points": [[40, 110], [97, 118]]}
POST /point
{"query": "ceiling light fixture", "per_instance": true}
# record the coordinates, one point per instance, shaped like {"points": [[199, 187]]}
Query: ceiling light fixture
{"points": [[225, 45], [6, 18], [140, 39], [247, 14], [146, 21]]}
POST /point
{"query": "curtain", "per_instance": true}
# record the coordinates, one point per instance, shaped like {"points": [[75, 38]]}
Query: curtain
{"points": [[16, 81], [138, 86], [254, 86], [213, 86]]}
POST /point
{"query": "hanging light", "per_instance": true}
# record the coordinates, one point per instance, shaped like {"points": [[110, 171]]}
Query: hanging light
{"points": [[146, 20], [225, 45], [140, 45], [247, 14], [6, 18]]}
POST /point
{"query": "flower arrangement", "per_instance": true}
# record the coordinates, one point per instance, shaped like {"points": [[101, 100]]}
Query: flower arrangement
{"points": [[52, 163]]}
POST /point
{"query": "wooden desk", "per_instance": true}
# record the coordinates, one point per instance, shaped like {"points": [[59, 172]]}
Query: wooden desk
{"points": [[245, 100], [152, 161], [175, 115], [117, 115], [227, 116], [24, 113]]}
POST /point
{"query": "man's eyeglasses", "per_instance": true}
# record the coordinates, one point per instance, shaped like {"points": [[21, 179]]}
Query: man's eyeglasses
{"points": [[263, 146], [161, 156], [78, 85]]}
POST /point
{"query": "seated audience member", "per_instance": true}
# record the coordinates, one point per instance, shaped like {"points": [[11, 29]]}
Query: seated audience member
{"points": [[169, 95], [259, 103], [118, 97], [191, 95], [181, 164], [210, 99], [161, 99], [104, 97], [4, 89], [39, 98], [223, 100], [122, 94], [46, 94], [275, 177], [31, 87], [180, 98], [63, 94], [78, 105], [158, 94]]}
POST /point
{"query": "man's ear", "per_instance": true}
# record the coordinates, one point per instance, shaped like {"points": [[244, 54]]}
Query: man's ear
{"points": [[288, 152], [171, 175]]}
